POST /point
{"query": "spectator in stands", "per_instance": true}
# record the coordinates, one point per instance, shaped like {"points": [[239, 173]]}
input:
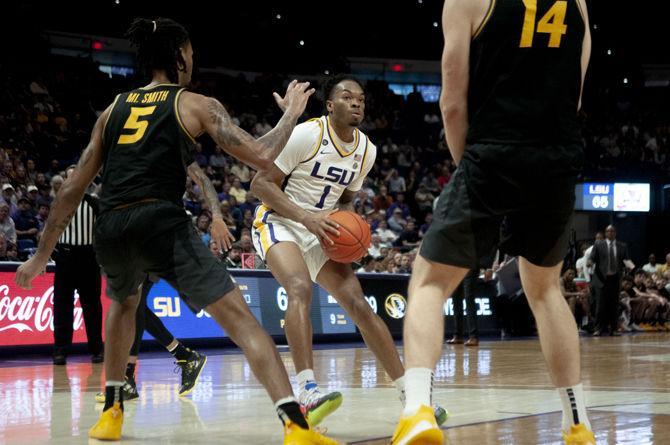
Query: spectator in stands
{"points": [[445, 175], [405, 265], [250, 203], [56, 183], [199, 156], [575, 297], [45, 195], [216, 250], [665, 268], [25, 221], [54, 170], [248, 220], [242, 172], [424, 199], [368, 264], [399, 203], [583, 266], [628, 298], [9, 197], [224, 194], [7, 250], [202, 225], [42, 215], [31, 171], [409, 237], [363, 204], [396, 222], [651, 267], [375, 249], [396, 183], [387, 235], [234, 258], [228, 217], [7, 227], [430, 183], [428, 220], [382, 201], [218, 159], [236, 190], [33, 195]]}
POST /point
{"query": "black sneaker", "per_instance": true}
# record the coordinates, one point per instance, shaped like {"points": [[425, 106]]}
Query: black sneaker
{"points": [[98, 358], [59, 357], [190, 372]]}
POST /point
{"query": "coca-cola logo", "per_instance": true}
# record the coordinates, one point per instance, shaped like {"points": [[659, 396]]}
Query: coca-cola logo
{"points": [[31, 313]]}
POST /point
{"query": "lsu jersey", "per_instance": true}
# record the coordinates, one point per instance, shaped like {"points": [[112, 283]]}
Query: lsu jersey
{"points": [[319, 167]]}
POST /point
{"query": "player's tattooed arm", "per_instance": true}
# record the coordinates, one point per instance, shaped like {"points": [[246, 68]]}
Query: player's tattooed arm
{"points": [[347, 200], [219, 228], [258, 153], [205, 184]]}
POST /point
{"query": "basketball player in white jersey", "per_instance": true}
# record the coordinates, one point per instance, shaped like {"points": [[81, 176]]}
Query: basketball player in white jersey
{"points": [[319, 171]]}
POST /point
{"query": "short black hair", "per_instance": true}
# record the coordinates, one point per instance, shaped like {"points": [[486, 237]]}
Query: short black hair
{"points": [[158, 42], [332, 82]]}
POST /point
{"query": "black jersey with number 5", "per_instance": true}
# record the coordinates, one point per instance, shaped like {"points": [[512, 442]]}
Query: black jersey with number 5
{"points": [[146, 148], [525, 73]]}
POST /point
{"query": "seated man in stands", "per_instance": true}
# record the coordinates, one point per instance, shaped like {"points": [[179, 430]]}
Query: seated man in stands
{"points": [[627, 299], [575, 297]]}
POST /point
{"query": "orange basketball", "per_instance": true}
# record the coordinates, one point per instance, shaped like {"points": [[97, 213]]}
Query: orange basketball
{"points": [[354, 239]]}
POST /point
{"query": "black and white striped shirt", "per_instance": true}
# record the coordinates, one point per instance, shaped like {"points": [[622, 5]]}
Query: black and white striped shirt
{"points": [[80, 230]]}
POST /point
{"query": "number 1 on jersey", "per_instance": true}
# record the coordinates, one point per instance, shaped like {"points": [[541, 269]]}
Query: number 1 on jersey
{"points": [[326, 190], [552, 23]]}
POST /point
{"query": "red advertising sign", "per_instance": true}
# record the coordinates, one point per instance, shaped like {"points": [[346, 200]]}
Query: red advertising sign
{"points": [[26, 316]]}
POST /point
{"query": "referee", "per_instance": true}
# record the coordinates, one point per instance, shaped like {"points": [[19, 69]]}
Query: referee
{"points": [[77, 269]]}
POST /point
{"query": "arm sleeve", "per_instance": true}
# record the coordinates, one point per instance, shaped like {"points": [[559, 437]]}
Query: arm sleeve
{"points": [[302, 144], [369, 162]]}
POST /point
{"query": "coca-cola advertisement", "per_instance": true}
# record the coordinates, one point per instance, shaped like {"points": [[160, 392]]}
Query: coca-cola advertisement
{"points": [[26, 316]]}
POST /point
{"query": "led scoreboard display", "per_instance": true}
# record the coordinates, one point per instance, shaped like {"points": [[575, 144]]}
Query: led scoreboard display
{"points": [[613, 197]]}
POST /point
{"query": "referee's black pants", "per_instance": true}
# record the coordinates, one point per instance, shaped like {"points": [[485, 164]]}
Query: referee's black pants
{"points": [[77, 269]]}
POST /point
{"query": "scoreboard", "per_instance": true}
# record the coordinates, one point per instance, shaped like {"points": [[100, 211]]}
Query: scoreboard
{"points": [[613, 197]]}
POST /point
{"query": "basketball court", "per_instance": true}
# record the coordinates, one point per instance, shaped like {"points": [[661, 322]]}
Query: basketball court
{"points": [[499, 393]]}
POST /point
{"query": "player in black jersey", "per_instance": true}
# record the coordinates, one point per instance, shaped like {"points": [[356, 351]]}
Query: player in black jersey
{"points": [[512, 74], [143, 142]]}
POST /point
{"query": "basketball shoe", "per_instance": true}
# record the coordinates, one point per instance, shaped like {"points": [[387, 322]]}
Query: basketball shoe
{"points": [[579, 435], [294, 435], [190, 372], [419, 429], [108, 427], [317, 406]]}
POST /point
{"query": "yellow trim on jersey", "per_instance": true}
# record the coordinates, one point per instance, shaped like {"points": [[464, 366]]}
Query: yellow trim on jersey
{"points": [[315, 150], [111, 110], [339, 149], [262, 228], [365, 153], [176, 112], [487, 17], [159, 85]]}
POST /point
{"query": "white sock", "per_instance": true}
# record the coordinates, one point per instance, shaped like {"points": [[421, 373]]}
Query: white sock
{"points": [[574, 406], [114, 383], [418, 389], [284, 400], [400, 386], [306, 380]]}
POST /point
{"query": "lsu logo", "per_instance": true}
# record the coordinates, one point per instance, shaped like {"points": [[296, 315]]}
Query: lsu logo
{"points": [[167, 306], [395, 305], [333, 174]]}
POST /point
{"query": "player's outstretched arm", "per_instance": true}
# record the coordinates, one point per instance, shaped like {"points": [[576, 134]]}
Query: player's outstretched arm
{"points": [[68, 198], [266, 186], [200, 113], [219, 228]]}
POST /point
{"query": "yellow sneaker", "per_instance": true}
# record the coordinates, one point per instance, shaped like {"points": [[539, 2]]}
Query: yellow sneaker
{"points": [[317, 406], [294, 435], [579, 435], [109, 425], [419, 429]]}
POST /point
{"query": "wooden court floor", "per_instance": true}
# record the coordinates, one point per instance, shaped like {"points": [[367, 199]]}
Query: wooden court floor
{"points": [[499, 393]]}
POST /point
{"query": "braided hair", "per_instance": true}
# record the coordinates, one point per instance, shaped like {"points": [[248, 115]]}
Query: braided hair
{"points": [[158, 45]]}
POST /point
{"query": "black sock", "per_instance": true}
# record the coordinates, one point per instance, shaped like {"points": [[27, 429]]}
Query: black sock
{"points": [[113, 394], [291, 411], [181, 352], [130, 371]]}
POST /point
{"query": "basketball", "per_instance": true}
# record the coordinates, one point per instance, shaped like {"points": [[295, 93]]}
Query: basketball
{"points": [[354, 239]]}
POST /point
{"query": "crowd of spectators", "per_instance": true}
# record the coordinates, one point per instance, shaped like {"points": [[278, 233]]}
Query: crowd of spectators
{"points": [[45, 121]]}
